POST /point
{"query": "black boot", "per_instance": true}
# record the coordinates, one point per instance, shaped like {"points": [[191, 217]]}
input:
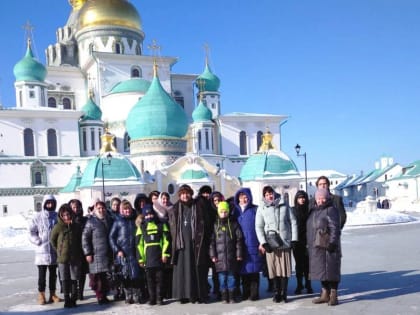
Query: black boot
{"points": [[255, 287], [246, 287], [277, 297], [284, 282], [81, 287], [299, 286], [66, 285], [308, 286], [128, 295], [225, 296], [73, 293], [232, 297]]}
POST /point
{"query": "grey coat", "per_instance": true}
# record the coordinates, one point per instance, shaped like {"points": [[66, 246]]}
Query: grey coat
{"points": [[324, 265], [277, 217], [95, 242], [39, 234]]}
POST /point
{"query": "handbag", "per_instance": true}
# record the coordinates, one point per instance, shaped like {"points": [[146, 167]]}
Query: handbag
{"points": [[273, 240], [322, 238]]}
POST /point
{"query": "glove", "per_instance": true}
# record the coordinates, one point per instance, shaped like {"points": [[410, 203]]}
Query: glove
{"points": [[267, 248], [331, 247]]}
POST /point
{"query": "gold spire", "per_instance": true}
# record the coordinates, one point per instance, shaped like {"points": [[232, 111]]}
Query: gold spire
{"points": [[266, 144], [77, 4], [107, 142]]}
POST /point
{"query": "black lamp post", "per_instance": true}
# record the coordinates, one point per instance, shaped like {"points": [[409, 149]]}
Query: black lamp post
{"points": [[108, 162], [297, 148]]}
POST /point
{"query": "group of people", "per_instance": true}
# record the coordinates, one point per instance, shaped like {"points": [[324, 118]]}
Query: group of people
{"points": [[154, 250]]}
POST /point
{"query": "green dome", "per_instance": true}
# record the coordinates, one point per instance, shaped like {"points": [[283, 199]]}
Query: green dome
{"points": [[119, 170], [91, 111], [131, 85], [29, 69], [207, 81], [268, 164], [74, 182], [156, 115], [202, 113]]}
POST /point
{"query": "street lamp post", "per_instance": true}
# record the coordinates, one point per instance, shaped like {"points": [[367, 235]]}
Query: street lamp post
{"points": [[108, 162], [297, 148]]}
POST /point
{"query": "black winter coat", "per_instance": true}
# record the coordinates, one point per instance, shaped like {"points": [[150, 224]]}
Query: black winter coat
{"points": [[324, 265], [95, 243], [226, 244]]}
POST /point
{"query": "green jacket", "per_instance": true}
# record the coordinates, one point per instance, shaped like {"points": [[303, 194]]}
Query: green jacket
{"points": [[67, 241]]}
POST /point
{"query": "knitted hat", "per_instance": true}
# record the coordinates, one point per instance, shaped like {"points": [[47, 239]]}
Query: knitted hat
{"points": [[322, 193], [223, 206]]}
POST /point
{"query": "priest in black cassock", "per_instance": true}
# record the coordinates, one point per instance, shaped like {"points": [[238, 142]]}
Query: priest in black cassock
{"points": [[190, 233]]}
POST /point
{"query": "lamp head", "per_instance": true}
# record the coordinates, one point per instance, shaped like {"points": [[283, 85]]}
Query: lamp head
{"points": [[297, 148]]}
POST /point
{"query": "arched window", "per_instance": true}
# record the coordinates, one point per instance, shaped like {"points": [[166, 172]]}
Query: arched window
{"points": [[242, 143], [206, 134], [52, 102], [66, 103], [199, 140], [52, 142], [136, 72], [259, 139], [28, 142], [126, 142], [38, 178], [171, 189]]}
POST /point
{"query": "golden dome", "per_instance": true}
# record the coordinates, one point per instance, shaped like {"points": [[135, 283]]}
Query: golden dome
{"points": [[109, 12]]}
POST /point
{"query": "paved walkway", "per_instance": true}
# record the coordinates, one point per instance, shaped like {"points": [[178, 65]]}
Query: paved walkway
{"points": [[380, 275]]}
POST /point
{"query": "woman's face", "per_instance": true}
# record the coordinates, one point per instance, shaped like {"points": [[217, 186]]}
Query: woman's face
{"points": [[125, 211], [66, 217], [320, 200], [269, 196], [165, 200], [301, 200], [154, 198], [243, 199]]}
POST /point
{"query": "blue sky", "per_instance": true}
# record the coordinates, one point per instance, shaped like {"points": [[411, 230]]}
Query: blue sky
{"points": [[347, 73]]}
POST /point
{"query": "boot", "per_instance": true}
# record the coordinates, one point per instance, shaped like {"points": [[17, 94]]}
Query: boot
{"points": [[284, 282], [53, 298], [254, 291], [67, 301], [308, 286], [278, 296], [41, 298], [299, 286], [333, 298], [225, 297], [232, 297], [270, 285], [246, 287], [128, 296], [324, 298], [73, 292], [81, 288]]}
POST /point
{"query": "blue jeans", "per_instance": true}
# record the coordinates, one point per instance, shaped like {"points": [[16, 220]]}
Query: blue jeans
{"points": [[227, 281]]}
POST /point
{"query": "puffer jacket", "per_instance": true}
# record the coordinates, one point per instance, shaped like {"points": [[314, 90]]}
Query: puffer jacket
{"points": [[122, 237], [324, 265], [252, 260], [226, 244], [95, 243], [40, 229], [276, 216]]}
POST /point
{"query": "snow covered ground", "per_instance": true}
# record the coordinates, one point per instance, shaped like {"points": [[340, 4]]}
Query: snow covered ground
{"points": [[14, 229]]}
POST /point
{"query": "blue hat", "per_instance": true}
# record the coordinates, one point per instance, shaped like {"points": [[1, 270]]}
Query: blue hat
{"points": [[148, 209]]}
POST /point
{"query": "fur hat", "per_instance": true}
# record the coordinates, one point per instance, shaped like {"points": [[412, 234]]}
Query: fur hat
{"points": [[185, 188]]}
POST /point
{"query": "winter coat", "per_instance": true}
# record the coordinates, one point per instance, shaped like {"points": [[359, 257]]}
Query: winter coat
{"points": [[201, 230], [123, 238], [67, 242], [276, 216], [337, 202], [252, 261], [323, 265], [226, 244], [40, 229], [95, 243], [152, 239], [301, 213]]}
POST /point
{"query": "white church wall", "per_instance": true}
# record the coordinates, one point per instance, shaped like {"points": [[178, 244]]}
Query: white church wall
{"points": [[15, 174]]}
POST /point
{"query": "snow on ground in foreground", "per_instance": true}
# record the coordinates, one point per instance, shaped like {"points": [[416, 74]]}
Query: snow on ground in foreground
{"points": [[14, 229]]}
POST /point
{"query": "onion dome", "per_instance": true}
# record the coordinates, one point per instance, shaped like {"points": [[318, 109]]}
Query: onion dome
{"points": [[207, 81], [156, 115], [29, 69], [120, 13], [201, 113], [91, 110], [268, 163], [131, 85], [74, 182], [109, 166]]}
